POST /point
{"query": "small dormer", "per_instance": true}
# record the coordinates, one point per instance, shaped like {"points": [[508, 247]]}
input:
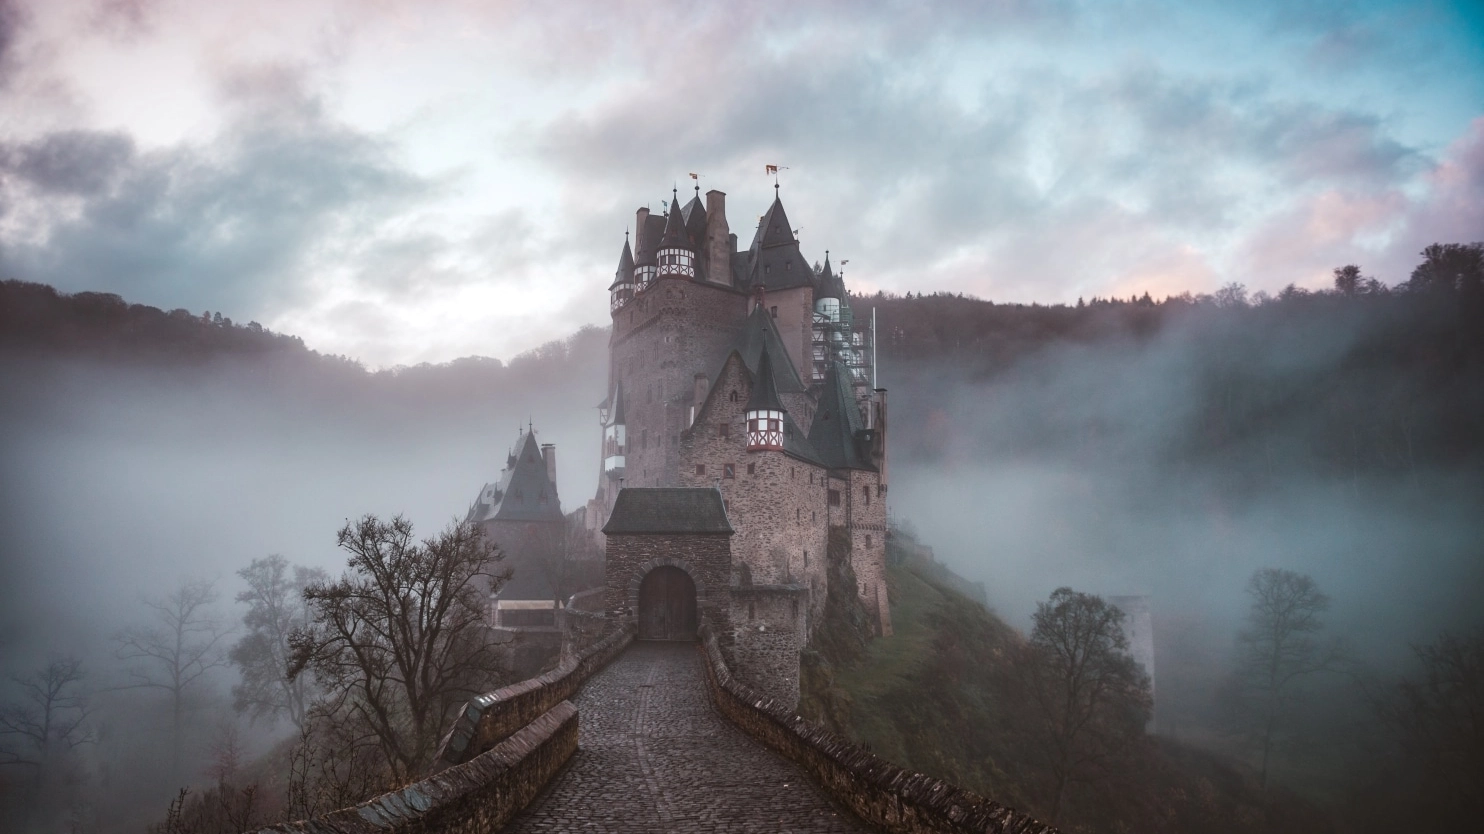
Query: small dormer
{"points": [[764, 410]]}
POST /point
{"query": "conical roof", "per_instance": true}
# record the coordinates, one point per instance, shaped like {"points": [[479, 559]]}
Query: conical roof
{"points": [[836, 421], [676, 236], [649, 239], [764, 389], [625, 272], [774, 229], [774, 261], [828, 284]]}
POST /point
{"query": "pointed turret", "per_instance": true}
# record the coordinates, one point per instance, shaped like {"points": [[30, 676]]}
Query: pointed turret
{"points": [[828, 284], [677, 254], [622, 288], [526, 490], [694, 215], [764, 410]]}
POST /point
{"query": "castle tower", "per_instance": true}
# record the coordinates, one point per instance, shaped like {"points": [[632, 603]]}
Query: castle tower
{"points": [[676, 255]]}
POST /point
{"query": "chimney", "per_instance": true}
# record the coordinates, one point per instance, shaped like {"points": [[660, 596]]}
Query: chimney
{"points": [[641, 219], [703, 387], [718, 239], [548, 454]]}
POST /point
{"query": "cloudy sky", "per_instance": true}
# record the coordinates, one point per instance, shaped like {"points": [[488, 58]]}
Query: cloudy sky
{"points": [[417, 181]]}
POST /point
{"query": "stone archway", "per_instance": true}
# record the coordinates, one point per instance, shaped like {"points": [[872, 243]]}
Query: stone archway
{"points": [[667, 605]]}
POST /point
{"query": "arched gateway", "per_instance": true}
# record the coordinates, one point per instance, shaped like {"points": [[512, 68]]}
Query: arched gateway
{"points": [[668, 561], [667, 605]]}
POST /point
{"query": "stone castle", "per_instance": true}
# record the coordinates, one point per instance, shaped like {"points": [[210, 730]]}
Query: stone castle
{"points": [[740, 426]]}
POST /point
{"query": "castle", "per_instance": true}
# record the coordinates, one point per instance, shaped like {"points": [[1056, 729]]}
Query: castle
{"points": [[740, 426]]}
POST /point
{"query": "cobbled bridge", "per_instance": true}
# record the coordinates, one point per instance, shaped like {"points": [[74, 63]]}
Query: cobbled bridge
{"points": [[653, 736]]}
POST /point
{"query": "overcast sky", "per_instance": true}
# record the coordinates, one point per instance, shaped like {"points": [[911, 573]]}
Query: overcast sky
{"points": [[417, 181]]}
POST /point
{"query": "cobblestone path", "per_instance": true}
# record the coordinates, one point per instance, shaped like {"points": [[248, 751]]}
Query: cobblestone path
{"points": [[653, 756]]}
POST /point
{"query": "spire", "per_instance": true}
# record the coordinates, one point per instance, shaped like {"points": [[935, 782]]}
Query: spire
{"points": [[829, 284], [676, 236], [774, 229], [625, 272], [764, 389]]}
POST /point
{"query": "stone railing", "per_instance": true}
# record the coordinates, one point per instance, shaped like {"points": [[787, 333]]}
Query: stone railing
{"points": [[878, 791], [476, 797], [495, 716]]}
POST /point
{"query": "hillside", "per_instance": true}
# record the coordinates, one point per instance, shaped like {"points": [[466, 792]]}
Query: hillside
{"points": [[942, 696]]}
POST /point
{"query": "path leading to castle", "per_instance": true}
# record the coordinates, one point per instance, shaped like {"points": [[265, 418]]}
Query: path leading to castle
{"points": [[653, 756]]}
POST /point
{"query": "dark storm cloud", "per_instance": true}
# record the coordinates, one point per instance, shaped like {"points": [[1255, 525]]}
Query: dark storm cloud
{"points": [[235, 224], [72, 162]]}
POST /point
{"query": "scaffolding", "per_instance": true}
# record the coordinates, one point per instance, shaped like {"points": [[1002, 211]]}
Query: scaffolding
{"points": [[838, 338]]}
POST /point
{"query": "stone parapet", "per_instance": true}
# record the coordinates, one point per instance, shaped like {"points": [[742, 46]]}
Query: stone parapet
{"points": [[881, 793], [495, 716], [476, 797]]}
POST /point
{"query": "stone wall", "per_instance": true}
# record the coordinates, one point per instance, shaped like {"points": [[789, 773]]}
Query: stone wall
{"points": [[770, 626], [476, 797], [664, 337], [707, 558], [881, 793], [776, 503], [867, 526], [493, 717]]}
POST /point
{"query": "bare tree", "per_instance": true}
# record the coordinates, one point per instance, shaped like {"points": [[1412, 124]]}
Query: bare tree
{"points": [[276, 609], [45, 726], [1090, 698], [175, 652], [399, 641], [1277, 650]]}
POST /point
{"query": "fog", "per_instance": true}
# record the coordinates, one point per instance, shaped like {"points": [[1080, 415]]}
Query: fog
{"points": [[1079, 464]]}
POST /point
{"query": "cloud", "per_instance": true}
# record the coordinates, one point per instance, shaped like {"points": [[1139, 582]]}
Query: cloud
{"points": [[243, 223]]}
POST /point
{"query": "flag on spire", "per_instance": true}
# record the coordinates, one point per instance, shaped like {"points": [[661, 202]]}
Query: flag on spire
{"points": [[771, 169]]}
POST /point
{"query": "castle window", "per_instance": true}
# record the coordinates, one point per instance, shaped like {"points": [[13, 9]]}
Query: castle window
{"points": [[732, 396], [700, 470], [834, 498], [813, 516], [866, 494], [811, 478], [798, 514], [729, 470], [723, 430], [792, 473], [751, 610], [806, 558], [868, 540], [773, 311], [752, 469]]}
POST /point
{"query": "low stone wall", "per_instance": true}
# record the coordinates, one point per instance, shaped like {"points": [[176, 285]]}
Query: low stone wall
{"points": [[495, 716], [878, 791], [476, 797]]}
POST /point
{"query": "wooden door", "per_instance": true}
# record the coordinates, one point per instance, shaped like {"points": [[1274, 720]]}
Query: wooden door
{"points": [[667, 605]]}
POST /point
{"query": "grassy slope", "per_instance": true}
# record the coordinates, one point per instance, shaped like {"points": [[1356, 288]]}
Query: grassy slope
{"points": [[939, 697]]}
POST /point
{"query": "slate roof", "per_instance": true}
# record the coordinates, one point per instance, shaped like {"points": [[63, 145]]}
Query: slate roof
{"points": [[774, 260], [836, 421], [676, 235], [764, 390], [759, 333], [828, 284], [625, 272], [524, 493], [694, 215], [659, 510]]}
